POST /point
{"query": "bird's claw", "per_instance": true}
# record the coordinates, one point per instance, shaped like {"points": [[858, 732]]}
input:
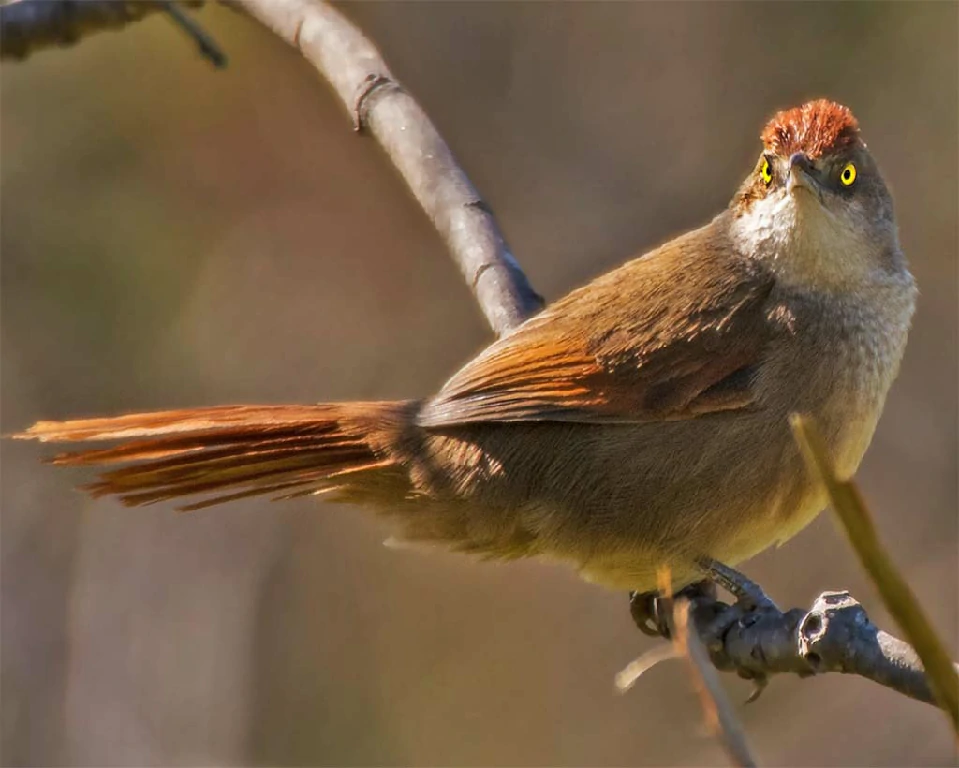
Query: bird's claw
{"points": [[645, 608], [652, 612], [749, 595], [759, 685]]}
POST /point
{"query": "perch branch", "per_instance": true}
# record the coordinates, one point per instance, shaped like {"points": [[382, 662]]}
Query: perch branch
{"points": [[835, 635]]}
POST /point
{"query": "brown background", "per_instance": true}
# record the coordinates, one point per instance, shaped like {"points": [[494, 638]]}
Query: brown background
{"points": [[177, 236]]}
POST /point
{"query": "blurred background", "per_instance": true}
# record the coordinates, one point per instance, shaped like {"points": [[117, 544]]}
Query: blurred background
{"points": [[173, 235]]}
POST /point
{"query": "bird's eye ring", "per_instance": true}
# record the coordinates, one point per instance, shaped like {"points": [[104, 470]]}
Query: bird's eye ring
{"points": [[847, 176], [766, 172]]}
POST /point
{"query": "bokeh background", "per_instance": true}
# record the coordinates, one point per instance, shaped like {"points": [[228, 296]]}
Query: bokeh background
{"points": [[173, 235]]}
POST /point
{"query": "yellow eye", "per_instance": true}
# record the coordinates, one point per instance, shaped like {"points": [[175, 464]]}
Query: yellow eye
{"points": [[848, 175], [766, 172]]}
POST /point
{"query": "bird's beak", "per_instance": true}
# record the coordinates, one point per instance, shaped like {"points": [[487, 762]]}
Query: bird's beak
{"points": [[802, 175]]}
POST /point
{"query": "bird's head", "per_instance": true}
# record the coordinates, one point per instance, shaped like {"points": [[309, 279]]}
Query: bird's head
{"points": [[815, 205]]}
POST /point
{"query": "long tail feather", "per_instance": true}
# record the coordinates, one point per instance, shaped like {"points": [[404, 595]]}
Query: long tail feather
{"points": [[228, 452]]}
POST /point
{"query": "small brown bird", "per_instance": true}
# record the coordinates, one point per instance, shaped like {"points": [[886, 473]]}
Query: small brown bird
{"points": [[639, 421]]}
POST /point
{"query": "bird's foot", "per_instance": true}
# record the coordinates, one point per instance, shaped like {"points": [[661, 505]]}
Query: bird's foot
{"points": [[652, 612], [749, 595], [751, 603], [712, 618]]}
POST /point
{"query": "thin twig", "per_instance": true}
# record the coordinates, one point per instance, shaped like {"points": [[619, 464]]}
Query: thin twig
{"points": [[205, 43], [718, 711], [631, 673], [896, 594]]}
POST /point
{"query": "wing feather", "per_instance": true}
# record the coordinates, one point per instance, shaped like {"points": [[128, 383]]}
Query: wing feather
{"points": [[676, 334]]}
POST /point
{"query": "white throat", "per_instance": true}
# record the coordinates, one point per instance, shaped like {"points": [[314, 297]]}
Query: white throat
{"points": [[804, 243]]}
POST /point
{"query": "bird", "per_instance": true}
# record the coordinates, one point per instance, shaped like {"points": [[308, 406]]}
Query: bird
{"points": [[639, 422]]}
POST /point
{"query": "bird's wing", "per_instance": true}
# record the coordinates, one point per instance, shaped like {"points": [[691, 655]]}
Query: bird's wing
{"points": [[676, 334]]}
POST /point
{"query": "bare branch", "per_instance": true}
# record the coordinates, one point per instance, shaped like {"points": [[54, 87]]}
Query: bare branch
{"points": [[835, 635], [207, 46], [27, 26], [364, 83]]}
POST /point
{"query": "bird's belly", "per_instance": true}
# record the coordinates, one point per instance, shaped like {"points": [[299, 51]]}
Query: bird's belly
{"points": [[636, 568], [727, 502]]}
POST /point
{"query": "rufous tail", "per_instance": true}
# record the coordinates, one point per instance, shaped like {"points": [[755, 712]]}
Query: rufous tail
{"points": [[230, 452]]}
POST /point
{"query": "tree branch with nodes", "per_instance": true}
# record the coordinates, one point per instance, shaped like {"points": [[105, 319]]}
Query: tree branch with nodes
{"points": [[751, 636]]}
